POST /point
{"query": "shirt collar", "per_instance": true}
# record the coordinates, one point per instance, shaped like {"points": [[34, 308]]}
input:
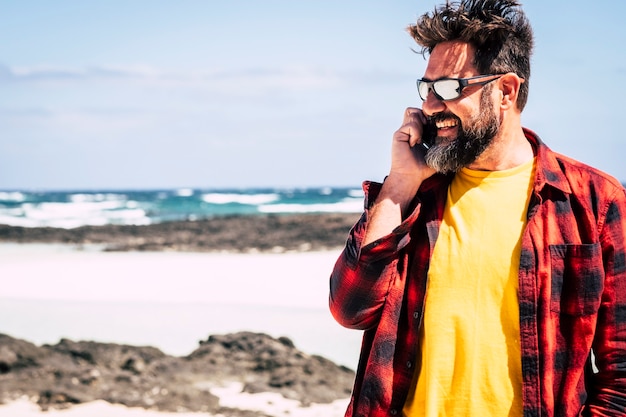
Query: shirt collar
{"points": [[548, 170]]}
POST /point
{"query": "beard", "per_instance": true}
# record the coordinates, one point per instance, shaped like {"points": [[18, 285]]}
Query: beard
{"points": [[449, 156]]}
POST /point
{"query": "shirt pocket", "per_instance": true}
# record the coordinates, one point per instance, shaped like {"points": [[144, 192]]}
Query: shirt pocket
{"points": [[577, 279]]}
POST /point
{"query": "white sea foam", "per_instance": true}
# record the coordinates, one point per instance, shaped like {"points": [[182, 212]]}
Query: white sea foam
{"points": [[248, 199], [99, 197], [15, 220], [12, 196], [51, 211], [356, 193], [78, 213], [347, 205], [184, 192]]}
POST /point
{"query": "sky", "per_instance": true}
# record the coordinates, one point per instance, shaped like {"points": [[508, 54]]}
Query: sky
{"points": [[158, 94]]}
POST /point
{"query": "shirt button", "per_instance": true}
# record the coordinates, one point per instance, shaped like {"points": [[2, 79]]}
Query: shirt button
{"points": [[416, 315], [409, 364], [393, 412]]}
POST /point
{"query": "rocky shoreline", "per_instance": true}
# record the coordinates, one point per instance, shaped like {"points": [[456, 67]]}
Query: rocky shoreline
{"points": [[257, 233], [70, 373]]}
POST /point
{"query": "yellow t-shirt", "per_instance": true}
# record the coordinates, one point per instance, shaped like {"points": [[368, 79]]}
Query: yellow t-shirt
{"points": [[470, 352]]}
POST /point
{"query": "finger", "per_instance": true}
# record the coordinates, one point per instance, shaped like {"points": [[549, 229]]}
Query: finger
{"points": [[410, 133], [415, 135], [409, 114], [416, 120], [422, 117]]}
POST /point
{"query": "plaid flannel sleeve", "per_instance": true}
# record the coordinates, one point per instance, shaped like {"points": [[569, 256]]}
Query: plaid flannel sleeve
{"points": [[362, 276], [607, 396]]}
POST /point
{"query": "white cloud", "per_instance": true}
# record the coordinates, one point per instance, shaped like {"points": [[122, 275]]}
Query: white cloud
{"points": [[224, 80]]}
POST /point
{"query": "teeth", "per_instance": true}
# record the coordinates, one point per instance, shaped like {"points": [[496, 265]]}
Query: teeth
{"points": [[446, 123]]}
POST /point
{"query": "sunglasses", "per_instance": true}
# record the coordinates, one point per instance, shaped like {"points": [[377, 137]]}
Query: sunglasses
{"points": [[450, 88]]}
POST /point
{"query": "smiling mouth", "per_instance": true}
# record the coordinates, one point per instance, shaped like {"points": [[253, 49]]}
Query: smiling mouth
{"points": [[446, 124]]}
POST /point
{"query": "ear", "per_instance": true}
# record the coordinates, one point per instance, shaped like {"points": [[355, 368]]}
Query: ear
{"points": [[509, 86]]}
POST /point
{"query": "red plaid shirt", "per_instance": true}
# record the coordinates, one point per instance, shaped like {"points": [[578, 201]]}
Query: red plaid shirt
{"points": [[572, 293]]}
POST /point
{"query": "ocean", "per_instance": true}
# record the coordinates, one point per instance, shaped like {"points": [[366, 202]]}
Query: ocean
{"points": [[70, 209]]}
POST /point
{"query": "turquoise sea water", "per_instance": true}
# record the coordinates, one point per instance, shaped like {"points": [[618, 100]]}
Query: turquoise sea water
{"points": [[68, 209]]}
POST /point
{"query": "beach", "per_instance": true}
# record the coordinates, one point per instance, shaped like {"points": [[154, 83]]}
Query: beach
{"points": [[269, 404], [172, 299]]}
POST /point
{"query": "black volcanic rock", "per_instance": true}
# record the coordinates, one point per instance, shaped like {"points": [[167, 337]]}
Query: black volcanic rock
{"points": [[262, 233], [57, 376], [273, 365]]}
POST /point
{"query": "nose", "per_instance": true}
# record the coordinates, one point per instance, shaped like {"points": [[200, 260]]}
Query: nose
{"points": [[432, 104]]}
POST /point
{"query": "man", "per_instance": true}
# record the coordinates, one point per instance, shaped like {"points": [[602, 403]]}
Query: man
{"points": [[487, 271]]}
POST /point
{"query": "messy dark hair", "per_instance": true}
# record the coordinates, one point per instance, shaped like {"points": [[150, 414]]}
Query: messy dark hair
{"points": [[498, 30]]}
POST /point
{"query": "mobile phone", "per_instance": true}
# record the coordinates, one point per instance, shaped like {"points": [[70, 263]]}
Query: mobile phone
{"points": [[429, 134]]}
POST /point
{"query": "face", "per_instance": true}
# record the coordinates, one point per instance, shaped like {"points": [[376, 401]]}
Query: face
{"points": [[450, 154], [463, 127]]}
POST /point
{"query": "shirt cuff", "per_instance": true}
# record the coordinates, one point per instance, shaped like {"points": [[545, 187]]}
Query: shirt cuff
{"points": [[385, 247]]}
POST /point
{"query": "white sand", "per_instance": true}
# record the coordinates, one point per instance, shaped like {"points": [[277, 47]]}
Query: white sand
{"points": [[57, 272], [170, 300], [230, 396], [50, 273]]}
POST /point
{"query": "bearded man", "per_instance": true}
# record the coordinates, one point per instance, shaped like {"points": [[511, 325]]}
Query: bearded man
{"points": [[487, 272]]}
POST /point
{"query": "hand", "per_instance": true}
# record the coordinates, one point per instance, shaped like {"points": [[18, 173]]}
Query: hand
{"points": [[408, 170], [407, 156]]}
